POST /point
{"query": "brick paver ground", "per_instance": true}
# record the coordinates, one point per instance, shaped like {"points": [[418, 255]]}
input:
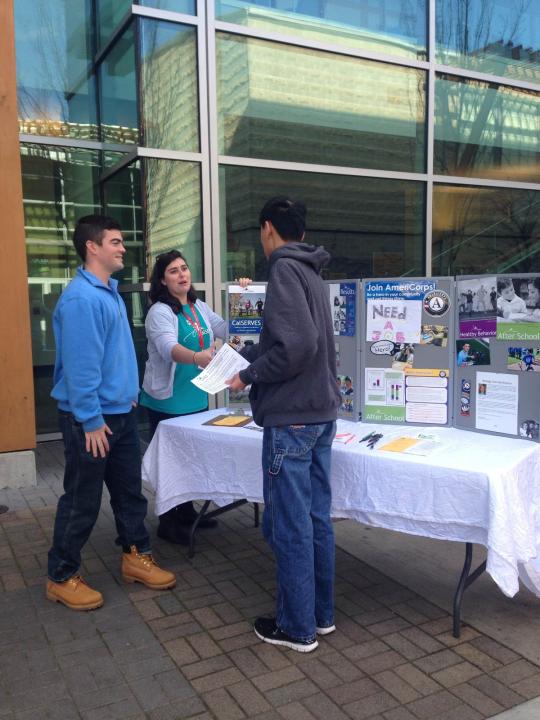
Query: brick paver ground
{"points": [[191, 652]]}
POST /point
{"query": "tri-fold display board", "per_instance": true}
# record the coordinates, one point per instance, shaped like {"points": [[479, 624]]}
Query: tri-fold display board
{"points": [[444, 351]]}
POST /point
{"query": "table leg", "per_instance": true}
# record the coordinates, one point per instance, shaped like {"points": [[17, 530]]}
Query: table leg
{"points": [[464, 581], [215, 513]]}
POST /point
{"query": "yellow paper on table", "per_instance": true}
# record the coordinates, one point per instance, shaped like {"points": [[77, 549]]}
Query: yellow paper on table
{"points": [[229, 420], [400, 444]]}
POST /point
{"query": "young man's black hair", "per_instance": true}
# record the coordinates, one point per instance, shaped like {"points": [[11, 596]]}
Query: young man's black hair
{"points": [[287, 216]]}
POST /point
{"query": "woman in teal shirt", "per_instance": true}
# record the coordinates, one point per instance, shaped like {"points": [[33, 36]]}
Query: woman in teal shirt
{"points": [[180, 330]]}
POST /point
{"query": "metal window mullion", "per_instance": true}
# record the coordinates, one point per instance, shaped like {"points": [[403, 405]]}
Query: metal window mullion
{"points": [[430, 138], [168, 15], [117, 167], [325, 169], [484, 182], [213, 151], [120, 29], [71, 142], [204, 182], [485, 77], [164, 154]]}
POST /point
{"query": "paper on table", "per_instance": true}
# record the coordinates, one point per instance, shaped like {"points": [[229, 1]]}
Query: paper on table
{"points": [[400, 444], [225, 363]]}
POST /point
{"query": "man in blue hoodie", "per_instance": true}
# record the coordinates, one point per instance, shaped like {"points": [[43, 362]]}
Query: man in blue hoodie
{"points": [[294, 397], [96, 385]]}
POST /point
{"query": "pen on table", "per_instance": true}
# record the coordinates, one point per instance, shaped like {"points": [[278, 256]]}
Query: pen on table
{"points": [[374, 440], [366, 437]]}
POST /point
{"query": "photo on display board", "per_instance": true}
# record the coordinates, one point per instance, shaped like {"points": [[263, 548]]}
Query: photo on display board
{"points": [[343, 305], [346, 390], [246, 309], [523, 359], [473, 352], [403, 356], [477, 307], [436, 335], [239, 342], [529, 429], [242, 306], [518, 308]]}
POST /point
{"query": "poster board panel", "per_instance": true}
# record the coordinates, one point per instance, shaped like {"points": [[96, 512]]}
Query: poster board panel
{"points": [[245, 310], [407, 350], [497, 354], [345, 298]]}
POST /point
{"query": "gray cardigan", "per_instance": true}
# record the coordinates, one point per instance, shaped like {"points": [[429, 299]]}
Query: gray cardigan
{"points": [[161, 327]]}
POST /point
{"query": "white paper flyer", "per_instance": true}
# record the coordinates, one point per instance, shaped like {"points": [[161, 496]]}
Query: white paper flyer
{"points": [[225, 363]]}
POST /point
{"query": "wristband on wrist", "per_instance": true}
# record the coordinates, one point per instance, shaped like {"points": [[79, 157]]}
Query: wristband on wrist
{"points": [[193, 358]]}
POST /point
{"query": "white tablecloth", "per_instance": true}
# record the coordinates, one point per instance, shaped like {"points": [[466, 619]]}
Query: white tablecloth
{"points": [[477, 488]]}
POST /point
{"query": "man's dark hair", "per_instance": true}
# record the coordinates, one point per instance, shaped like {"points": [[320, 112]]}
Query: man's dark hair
{"points": [[158, 291], [92, 227], [287, 216]]}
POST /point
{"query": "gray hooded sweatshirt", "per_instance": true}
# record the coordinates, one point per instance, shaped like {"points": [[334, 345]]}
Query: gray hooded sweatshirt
{"points": [[293, 367]]}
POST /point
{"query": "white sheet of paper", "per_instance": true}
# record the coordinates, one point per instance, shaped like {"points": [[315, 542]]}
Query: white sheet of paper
{"points": [[225, 363], [497, 402]]}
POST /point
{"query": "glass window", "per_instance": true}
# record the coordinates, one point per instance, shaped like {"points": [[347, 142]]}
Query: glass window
{"points": [[59, 186], [371, 227], [497, 37], [122, 200], [54, 46], [110, 14], [169, 86], [287, 103], [173, 211], [119, 116], [182, 6], [485, 230], [394, 27], [488, 130]]}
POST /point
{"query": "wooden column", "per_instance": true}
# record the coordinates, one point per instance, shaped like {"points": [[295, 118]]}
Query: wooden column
{"points": [[17, 417]]}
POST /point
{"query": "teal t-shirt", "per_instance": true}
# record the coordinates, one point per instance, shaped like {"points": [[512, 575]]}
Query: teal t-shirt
{"points": [[186, 397]]}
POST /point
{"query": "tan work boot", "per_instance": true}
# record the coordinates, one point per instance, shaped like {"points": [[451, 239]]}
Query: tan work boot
{"points": [[74, 593], [143, 569]]}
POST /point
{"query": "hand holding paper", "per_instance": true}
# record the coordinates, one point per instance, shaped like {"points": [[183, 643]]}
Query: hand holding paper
{"points": [[225, 363]]}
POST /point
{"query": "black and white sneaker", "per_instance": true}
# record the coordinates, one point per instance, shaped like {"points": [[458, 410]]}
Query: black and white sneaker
{"points": [[326, 629], [267, 630]]}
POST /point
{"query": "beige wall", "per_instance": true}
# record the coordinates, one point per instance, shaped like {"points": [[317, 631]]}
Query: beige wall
{"points": [[17, 422]]}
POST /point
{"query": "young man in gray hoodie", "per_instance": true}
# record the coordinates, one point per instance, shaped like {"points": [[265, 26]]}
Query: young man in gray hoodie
{"points": [[295, 399]]}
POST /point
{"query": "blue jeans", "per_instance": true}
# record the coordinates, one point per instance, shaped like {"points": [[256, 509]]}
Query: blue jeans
{"points": [[297, 525], [84, 475]]}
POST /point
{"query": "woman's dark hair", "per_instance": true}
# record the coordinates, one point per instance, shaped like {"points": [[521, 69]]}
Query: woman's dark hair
{"points": [[158, 291], [287, 216]]}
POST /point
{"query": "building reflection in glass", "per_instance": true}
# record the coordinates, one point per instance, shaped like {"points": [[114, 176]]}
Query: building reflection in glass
{"points": [[485, 230], [371, 227]]}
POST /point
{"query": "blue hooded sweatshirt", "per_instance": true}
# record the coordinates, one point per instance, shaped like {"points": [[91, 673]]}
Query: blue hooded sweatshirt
{"points": [[95, 372]]}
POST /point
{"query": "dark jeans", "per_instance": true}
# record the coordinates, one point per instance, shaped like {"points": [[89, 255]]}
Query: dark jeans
{"points": [[296, 524], [84, 475]]}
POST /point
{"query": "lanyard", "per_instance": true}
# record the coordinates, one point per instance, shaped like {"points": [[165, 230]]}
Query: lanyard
{"points": [[195, 324]]}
